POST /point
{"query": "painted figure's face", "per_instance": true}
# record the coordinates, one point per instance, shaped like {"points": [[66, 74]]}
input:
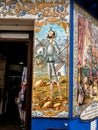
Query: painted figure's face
{"points": [[50, 34]]}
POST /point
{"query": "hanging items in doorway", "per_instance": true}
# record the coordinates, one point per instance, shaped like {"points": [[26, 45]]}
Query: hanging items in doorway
{"points": [[21, 101]]}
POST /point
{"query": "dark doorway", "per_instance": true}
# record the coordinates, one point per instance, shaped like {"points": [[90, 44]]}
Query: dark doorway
{"points": [[14, 54], [16, 38]]}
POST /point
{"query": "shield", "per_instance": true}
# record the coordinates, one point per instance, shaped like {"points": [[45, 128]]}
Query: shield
{"points": [[39, 61]]}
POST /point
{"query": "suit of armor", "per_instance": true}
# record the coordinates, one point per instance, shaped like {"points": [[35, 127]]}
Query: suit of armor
{"points": [[51, 49]]}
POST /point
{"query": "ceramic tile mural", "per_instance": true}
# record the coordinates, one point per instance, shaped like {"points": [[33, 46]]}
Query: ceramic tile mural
{"points": [[27, 8], [51, 61], [50, 95], [85, 89], [17, 8]]}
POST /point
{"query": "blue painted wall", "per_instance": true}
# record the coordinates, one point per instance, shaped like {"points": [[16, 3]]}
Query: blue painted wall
{"points": [[72, 124], [43, 124], [77, 124]]}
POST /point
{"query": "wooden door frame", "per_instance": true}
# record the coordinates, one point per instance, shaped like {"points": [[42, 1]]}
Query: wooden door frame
{"points": [[29, 82], [22, 25]]}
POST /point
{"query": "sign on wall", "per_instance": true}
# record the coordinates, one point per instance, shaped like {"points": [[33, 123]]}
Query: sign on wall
{"points": [[94, 125], [90, 112]]}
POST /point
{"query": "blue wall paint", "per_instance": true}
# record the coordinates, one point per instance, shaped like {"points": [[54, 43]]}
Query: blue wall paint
{"points": [[77, 124], [71, 60], [73, 124], [43, 124]]}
